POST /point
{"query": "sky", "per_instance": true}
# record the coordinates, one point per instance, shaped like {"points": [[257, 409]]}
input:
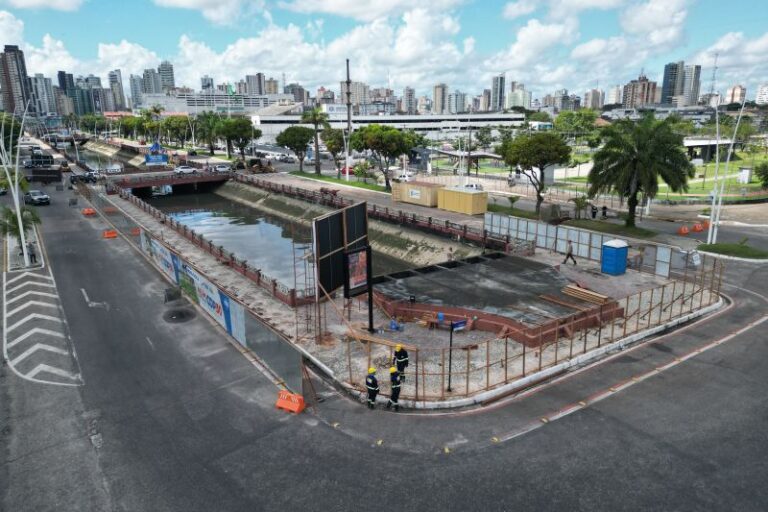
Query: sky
{"points": [[545, 44]]}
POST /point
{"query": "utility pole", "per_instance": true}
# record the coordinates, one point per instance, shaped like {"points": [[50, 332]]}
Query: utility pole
{"points": [[710, 231], [349, 119]]}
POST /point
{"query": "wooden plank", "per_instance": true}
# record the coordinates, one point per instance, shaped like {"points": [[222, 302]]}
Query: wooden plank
{"points": [[563, 302]]}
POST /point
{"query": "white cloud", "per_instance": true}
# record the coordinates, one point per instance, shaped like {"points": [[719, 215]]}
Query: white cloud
{"points": [[532, 41], [364, 10], [221, 12], [59, 5], [660, 23], [519, 8], [740, 60], [12, 28]]}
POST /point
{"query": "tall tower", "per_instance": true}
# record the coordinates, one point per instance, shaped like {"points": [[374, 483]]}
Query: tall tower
{"points": [[14, 80], [440, 99], [167, 80], [497, 93]]}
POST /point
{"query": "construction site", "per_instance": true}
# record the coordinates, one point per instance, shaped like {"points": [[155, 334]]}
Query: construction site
{"points": [[498, 314]]}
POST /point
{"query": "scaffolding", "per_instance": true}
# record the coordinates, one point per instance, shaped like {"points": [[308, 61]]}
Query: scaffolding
{"points": [[304, 284]]}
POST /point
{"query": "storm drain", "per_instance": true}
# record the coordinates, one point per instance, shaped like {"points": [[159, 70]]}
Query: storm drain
{"points": [[178, 315]]}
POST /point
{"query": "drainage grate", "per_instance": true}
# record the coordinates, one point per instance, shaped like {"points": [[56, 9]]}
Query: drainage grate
{"points": [[178, 315]]}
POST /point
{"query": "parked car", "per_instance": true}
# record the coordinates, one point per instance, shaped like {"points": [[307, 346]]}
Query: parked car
{"points": [[288, 159], [184, 169], [404, 177], [36, 197], [222, 168], [472, 186]]}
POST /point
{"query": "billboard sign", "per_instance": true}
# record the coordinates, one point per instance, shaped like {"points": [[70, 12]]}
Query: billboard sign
{"points": [[159, 159], [357, 265]]}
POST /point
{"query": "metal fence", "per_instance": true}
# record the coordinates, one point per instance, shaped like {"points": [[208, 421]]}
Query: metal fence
{"points": [[477, 367], [658, 259]]}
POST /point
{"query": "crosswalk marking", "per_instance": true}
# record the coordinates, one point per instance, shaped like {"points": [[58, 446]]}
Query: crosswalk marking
{"points": [[30, 283], [34, 316], [33, 292], [28, 274]]}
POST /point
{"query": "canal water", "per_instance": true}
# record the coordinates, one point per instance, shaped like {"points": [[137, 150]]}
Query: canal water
{"points": [[265, 241], [93, 160]]}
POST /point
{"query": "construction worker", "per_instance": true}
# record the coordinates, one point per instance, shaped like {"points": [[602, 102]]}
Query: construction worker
{"points": [[400, 359], [394, 379], [373, 387]]}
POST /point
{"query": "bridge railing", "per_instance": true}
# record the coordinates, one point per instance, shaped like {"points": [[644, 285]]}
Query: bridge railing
{"points": [[277, 289]]}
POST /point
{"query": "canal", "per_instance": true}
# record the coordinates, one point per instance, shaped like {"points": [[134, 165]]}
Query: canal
{"points": [[93, 160], [265, 241]]}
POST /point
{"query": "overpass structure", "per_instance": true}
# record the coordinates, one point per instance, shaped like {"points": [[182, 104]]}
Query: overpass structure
{"points": [[160, 179]]}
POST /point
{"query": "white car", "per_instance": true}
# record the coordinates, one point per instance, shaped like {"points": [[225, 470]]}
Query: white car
{"points": [[405, 177], [184, 169], [473, 186], [222, 168]]}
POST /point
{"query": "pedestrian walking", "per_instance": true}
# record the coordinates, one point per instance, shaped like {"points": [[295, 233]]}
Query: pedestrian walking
{"points": [[569, 253], [373, 387], [594, 211], [400, 360], [32, 253], [394, 379]]}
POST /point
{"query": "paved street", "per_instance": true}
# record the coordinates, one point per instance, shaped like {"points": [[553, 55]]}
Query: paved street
{"points": [[170, 417]]}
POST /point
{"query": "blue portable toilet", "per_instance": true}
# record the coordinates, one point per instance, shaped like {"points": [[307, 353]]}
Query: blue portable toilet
{"points": [[614, 257]]}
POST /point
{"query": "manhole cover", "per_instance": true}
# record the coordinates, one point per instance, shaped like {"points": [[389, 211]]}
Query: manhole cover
{"points": [[178, 315]]}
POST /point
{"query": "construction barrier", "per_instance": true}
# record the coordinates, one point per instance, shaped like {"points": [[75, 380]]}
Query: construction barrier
{"points": [[135, 231], [705, 224], [89, 212], [290, 402], [109, 233], [698, 228], [683, 230]]}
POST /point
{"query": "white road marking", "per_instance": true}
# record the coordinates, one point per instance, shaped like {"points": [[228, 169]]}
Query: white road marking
{"points": [[34, 348], [28, 283], [50, 369], [34, 316], [85, 295], [36, 330], [27, 294], [150, 343], [92, 304], [33, 303], [28, 274]]}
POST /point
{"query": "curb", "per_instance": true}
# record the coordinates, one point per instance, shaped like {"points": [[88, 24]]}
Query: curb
{"points": [[733, 258], [535, 378]]}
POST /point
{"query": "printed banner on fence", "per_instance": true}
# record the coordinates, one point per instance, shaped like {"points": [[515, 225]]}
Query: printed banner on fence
{"points": [[227, 313], [163, 257]]}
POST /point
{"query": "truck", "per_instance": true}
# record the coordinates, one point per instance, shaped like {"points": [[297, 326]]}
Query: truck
{"points": [[44, 175]]}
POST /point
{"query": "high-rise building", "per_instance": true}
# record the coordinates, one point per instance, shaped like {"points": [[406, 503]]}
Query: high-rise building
{"points": [[14, 81], [639, 93], [271, 86], [64, 104], [457, 102], [440, 99], [300, 95], [256, 84], [762, 95], [116, 84], [614, 96], [136, 83], [409, 101], [66, 81], [241, 87], [518, 96], [673, 82], [424, 105], [152, 82], [485, 100], [497, 93], [206, 84], [594, 99], [735, 94], [361, 93], [691, 85], [42, 94], [167, 80]]}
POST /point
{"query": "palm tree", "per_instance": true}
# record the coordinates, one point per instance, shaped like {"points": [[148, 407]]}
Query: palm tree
{"points": [[9, 224], [580, 203], [634, 157], [317, 118], [208, 125]]}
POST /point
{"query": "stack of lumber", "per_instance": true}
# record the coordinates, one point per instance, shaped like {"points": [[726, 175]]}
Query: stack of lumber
{"points": [[586, 295]]}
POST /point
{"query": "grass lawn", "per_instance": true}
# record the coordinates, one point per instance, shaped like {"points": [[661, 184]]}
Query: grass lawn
{"points": [[738, 250], [515, 212], [351, 183], [613, 229]]}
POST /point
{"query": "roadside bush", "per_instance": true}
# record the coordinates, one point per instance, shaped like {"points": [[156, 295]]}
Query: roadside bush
{"points": [[761, 171]]}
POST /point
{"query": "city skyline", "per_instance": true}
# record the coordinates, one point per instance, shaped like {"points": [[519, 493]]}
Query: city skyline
{"points": [[397, 45]]}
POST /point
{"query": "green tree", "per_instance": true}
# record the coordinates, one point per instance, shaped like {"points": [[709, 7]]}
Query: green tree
{"points": [[10, 129], [296, 138], [484, 136], [537, 151], [236, 131], [633, 158], [761, 171], [580, 203], [386, 143], [176, 127], [576, 123], [542, 117], [317, 118], [208, 123], [334, 141], [9, 224]]}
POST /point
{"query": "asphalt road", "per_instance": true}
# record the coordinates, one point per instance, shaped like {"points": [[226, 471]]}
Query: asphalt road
{"points": [[172, 418]]}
